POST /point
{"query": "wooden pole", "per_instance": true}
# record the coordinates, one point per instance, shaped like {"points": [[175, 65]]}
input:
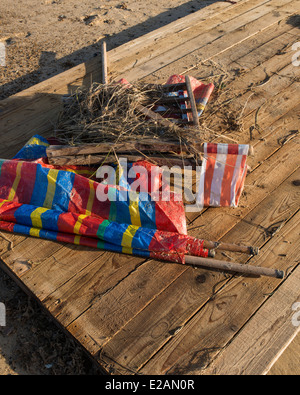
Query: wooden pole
{"points": [[233, 267], [231, 247], [104, 64], [126, 146], [192, 101]]}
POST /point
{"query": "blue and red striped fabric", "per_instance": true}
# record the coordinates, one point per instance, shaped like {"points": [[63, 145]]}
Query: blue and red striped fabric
{"points": [[41, 201]]}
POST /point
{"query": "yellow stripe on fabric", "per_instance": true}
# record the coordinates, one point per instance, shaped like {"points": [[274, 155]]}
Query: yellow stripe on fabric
{"points": [[14, 187], [127, 239], [51, 178], [37, 141], [91, 199], [36, 217], [77, 240], [200, 106], [34, 232], [134, 211], [79, 223]]}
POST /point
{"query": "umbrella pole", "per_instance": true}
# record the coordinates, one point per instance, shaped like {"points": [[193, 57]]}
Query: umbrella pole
{"points": [[230, 247], [233, 267]]}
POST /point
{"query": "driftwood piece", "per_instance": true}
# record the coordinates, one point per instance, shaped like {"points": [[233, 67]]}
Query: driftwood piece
{"points": [[233, 267], [78, 160]]}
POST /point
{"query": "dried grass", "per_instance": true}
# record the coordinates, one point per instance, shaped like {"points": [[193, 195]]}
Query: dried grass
{"points": [[108, 113]]}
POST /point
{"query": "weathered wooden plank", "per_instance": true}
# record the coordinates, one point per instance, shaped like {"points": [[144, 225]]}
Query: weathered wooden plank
{"points": [[159, 160], [23, 256], [259, 85], [211, 329], [275, 136], [71, 298], [258, 48], [111, 312], [47, 105], [142, 145], [245, 55], [255, 123], [58, 267], [9, 241], [258, 345], [158, 322], [272, 171], [270, 215]]}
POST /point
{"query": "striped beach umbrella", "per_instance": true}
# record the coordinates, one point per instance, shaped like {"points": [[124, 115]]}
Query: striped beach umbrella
{"points": [[39, 200]]}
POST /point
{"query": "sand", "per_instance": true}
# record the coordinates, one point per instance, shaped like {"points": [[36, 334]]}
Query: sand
{"points": [[43, 38], [46, 37]]}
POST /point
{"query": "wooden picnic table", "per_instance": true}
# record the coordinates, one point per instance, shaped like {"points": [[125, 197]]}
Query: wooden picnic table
{"points": [[137, 316]]}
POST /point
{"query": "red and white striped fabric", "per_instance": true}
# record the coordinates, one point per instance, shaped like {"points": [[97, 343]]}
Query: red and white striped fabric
{"points": [[223, 174]]}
